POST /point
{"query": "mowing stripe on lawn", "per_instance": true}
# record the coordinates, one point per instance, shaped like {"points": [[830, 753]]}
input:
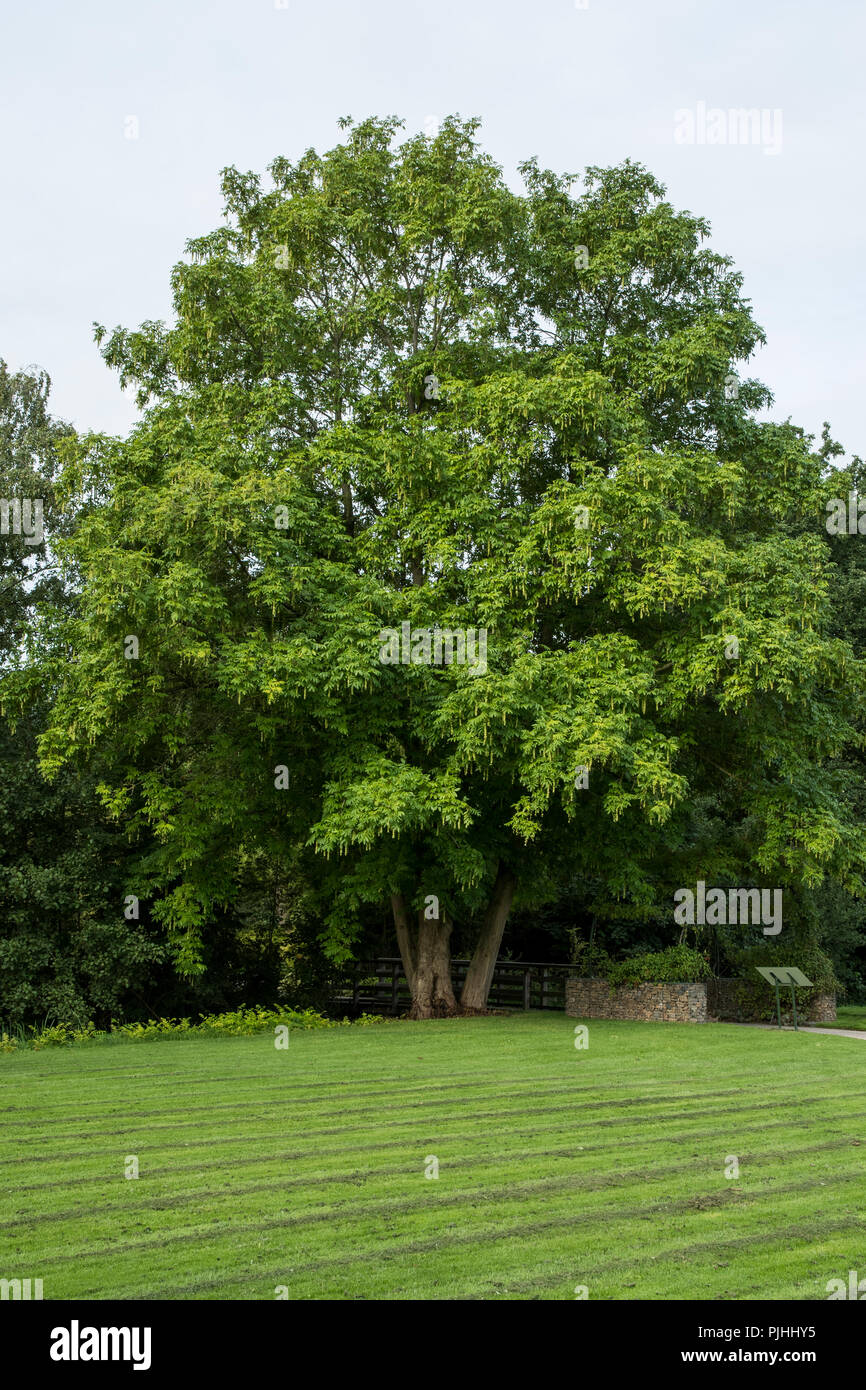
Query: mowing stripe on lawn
{"points": [[551, 1162], [161, 1201]]}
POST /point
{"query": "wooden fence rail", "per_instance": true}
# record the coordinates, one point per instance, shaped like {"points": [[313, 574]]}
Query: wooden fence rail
{"points": [[379, 986]]}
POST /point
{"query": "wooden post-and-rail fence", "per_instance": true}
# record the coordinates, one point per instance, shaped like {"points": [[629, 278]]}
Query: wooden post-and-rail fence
{"points": [[379, 986]]}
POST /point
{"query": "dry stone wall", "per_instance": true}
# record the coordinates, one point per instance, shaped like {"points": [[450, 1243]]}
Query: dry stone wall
{"points": [[729, 1001], [652, 1003]]}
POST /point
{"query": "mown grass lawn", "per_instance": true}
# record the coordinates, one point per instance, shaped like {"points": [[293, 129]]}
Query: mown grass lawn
{"points": [[305, 1167], [849, 1016]]}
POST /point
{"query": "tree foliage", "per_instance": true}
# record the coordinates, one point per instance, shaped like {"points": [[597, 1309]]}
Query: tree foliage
{"points": [[397, 392]]}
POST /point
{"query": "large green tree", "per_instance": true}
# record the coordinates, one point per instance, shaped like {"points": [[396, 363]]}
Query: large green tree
{"points": [[397, 392]]}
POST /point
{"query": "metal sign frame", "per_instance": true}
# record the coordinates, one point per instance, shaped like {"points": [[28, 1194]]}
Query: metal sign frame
{"points": [[777, 975]]}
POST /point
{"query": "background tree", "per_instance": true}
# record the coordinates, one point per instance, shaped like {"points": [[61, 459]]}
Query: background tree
{"points": [[66, 950]]}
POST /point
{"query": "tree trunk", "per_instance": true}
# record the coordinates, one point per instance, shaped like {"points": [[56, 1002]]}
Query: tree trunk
{"points": [[404, 938], [426, 954], [348, 505], [479, 976], [426, 958], [432, 992]]}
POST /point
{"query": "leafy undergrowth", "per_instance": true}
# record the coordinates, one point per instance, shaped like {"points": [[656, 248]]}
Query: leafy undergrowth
{"points": [[239, 1023]]}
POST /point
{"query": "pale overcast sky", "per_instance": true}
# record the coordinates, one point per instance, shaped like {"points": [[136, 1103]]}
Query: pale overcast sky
{"points": [[93, 221]]}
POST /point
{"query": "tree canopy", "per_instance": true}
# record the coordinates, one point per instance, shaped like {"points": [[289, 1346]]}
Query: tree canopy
{"points": [[402, 403]]}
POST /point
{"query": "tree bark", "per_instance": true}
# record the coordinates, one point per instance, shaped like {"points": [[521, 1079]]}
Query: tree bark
{"points": [[426, 954], [479, 976], [432, 992], [404, 938], [348, 505], [426, 957]]}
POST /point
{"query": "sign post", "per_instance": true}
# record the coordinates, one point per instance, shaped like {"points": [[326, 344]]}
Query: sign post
{"points": [[777, 975]]}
